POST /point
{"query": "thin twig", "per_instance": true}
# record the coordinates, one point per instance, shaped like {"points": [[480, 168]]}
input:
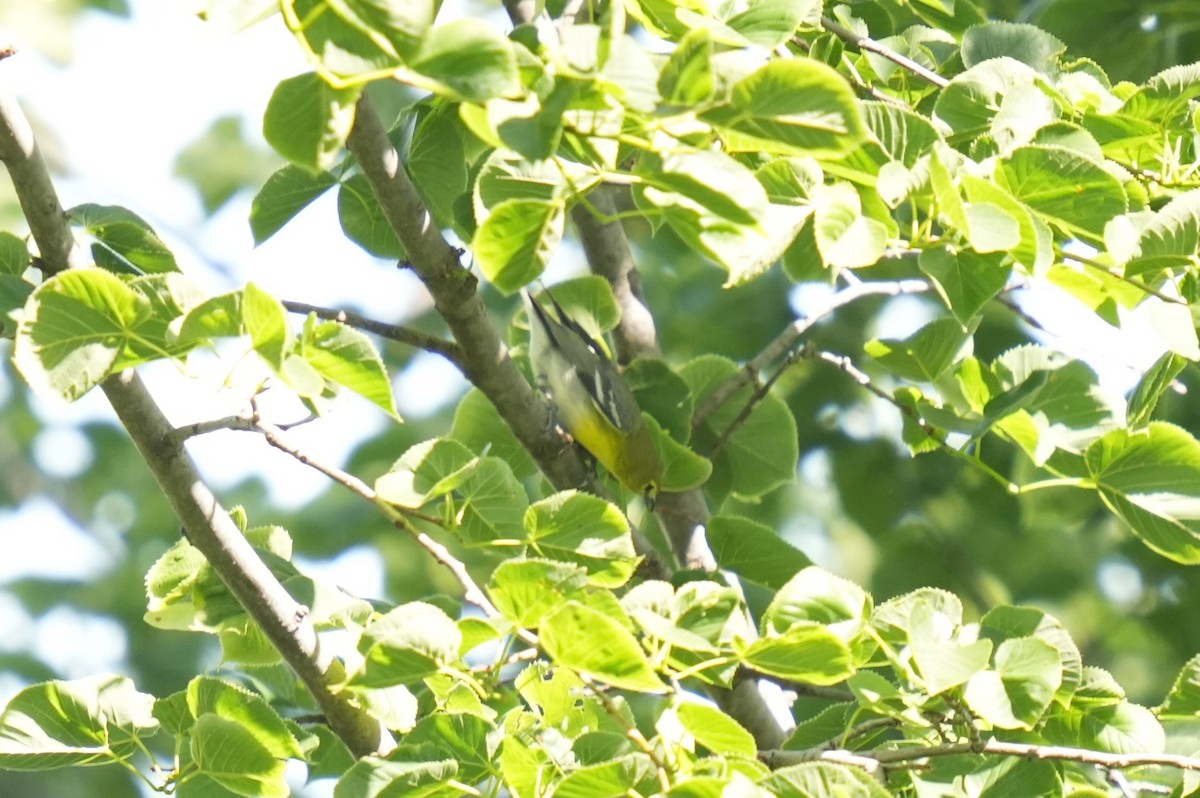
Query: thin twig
{"points": [[472, 593], [858, 375], [786, 340], [632, 732], [393, 332], [1113, 272], [760, 393], [870, 45], [891, 756], [1021, 314], [241, 422]]}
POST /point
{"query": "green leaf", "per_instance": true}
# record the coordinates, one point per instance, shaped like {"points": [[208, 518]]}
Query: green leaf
{"points": [[1061, 396], [753, 551], [466, 739], [707, 180], [805, 652], [207, 694], [1007, 622], [823, 778], [926, 354], [1097, 688], [790, 107], [515, 243], [990, 228], [1122, 728], [991, 777], [683, 469], [718, 206], [894, 617], [525, 591], [82, 325], [493, 505], [1035, 251], [217, 317], [1103, 293], [345, 356], [1015, 695], [96, 720], [588, 641], [407, 644], [631, 73], [770, 23], [14, 293], [266, 322], [903, 135], [373, 777], [687, 78], [973, 98], [817, 596], [478, 425], [585, 530], [1157, 380], [470, 59], [307, 120], [363, 221], [661, 393], [426, 471], [965, 281], [1183, 701], [846, 238], [14, 255], [1167, 97], [360, 38], [943, 661], [1151, 480], [438, 162], [285, 194], [670, 617], [170, 583], [504, 177], [613, 778], [231, 756], [1025, 43], [1170, 238], [124, 240], [715, 730], [1072, 191]]}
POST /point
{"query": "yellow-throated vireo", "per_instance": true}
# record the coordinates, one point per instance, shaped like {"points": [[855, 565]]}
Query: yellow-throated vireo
{"points": [[593, 402]]}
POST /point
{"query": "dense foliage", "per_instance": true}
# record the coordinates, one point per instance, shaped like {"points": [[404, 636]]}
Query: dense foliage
{"points": [[969, 485]]}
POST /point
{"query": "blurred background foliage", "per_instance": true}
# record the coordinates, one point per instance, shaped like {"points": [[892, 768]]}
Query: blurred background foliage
{"points": [[862, 506]]}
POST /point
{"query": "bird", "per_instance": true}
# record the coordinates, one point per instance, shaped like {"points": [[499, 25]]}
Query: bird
{"points": [[592, 400]]}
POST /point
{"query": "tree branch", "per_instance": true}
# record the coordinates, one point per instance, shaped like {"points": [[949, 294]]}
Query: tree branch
{"points": [[35, 191], [872, 46], [892, 756], [485, 360], [608, 254], [209, 528]]}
